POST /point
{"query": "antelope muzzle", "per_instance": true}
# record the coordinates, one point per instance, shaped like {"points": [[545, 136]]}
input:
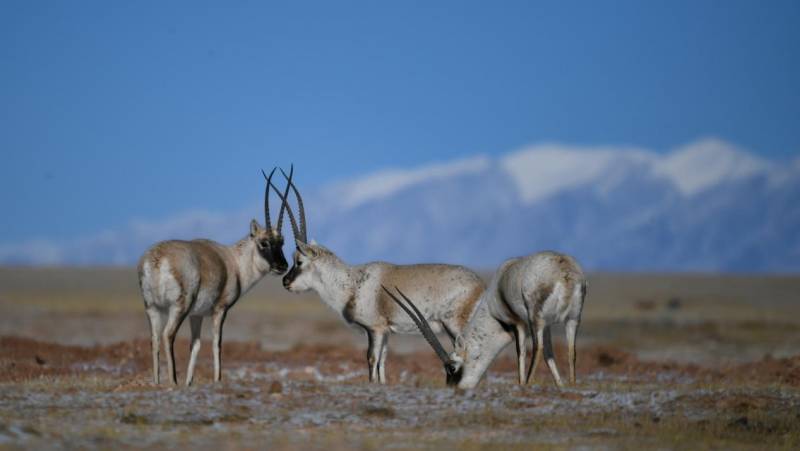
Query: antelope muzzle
{"points": [[289, 277]]}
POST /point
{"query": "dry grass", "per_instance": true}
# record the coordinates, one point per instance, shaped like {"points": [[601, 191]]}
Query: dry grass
{"points": [[665, 361]]}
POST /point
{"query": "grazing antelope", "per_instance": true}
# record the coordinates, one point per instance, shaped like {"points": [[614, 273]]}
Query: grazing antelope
{"points": [[202, 278], [526, 294], [451, 292]]}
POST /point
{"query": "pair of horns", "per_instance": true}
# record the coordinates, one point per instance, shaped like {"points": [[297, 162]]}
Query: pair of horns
{"points": [[300, 233], [421, 322], [266, 202]]}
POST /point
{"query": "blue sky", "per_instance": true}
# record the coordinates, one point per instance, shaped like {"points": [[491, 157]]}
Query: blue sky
{"points": [[118, 110]]}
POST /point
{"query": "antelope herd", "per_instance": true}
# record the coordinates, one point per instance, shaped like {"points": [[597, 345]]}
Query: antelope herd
{"points": [[200, 278]]}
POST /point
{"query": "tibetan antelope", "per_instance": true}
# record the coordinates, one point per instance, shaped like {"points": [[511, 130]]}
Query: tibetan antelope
{"points": [[202, 278], [450, 292], [527, 294]]}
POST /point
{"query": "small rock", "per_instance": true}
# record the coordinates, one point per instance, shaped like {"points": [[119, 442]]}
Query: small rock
{"points": [[739, 422], [39, 360], [379, 411], [674, 304], [605, 359], [275, 388]]}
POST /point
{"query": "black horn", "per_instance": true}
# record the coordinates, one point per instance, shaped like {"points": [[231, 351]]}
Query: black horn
{"points": [[295, 229], [533, 337], [301, 209], [266, 197], [285, 195], [422, 324]]}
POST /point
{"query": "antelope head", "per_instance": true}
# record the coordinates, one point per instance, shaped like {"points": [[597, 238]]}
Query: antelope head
{"points": [[268, 241], [453, 362], [308, 258]]}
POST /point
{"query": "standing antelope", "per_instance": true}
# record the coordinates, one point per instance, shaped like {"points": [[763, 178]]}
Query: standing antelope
{"points": [[451, 292], [527, 293], [201, 278]]}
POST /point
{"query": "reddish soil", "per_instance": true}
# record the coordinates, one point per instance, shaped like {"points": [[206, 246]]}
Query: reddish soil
{"points": [[24, 359]]}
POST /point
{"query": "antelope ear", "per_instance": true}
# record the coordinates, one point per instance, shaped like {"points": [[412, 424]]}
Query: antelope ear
{"points": [[306, 249], [253, 228]]}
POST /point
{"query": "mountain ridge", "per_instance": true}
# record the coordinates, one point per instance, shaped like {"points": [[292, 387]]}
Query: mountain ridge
{"points": [[705, 206]]}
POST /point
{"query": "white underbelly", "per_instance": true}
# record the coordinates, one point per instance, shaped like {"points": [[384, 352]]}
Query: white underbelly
{"points": [[410, 328]]}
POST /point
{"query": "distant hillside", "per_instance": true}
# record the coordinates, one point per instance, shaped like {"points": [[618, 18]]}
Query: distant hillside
{"points": [[706, 206]]}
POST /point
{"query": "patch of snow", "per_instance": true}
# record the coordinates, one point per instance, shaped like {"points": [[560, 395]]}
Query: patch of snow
{"points": [[544, 170], [708, 162], [382, 184]]}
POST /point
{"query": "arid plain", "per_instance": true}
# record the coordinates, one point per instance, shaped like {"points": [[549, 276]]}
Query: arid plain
{"points": [[669, 361]]}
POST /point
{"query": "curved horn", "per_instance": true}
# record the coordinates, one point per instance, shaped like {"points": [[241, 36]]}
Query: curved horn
{"points": [[422, 324], [300, 208], [533, 337], [285, 204], [266, 197], [295, 230]]}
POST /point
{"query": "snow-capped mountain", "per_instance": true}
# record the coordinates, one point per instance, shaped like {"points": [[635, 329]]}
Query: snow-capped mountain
{"points": [[706, 206]]}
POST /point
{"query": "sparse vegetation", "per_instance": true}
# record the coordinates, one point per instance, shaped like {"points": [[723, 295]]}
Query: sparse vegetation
{"points": [[295, 378]]}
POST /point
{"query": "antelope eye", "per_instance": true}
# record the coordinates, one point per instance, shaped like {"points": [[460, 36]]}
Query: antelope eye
{"points": [[265, 243]]}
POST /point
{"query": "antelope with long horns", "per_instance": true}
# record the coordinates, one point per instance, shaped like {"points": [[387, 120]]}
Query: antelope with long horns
{"points": [[525, 296], [355, 291], [202, 278]]}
